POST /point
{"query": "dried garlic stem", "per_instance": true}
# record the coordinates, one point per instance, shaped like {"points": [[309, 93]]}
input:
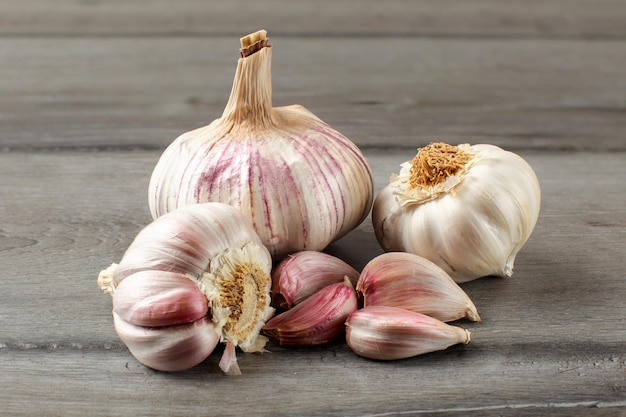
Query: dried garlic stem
{"points": [[251, 95]]}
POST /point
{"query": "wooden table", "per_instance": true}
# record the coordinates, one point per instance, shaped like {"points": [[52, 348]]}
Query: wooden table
{"points": [[91, 92]]}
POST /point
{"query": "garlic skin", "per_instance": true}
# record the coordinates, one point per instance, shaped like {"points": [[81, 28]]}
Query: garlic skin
{"points": [[172, 348], [317, 320], [211, 246], [159, 298], [302, 274], [390, 333], [411, 282], [471, 222], [301, 183]]}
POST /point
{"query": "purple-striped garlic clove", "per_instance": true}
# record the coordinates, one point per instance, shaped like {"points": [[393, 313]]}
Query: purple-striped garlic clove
{"points": [[171, 348], [159, 298], [389, 333], [317, 320], [405, 280], [304, 273]]}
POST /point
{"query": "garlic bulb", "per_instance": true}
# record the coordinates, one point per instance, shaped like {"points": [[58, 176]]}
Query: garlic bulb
{"points": [[302, 183], [468, 209], [197, 259]]}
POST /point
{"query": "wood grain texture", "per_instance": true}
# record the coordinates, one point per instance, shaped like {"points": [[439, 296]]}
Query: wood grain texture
{"points": [[143, 92], [552, 339], [532, 18]]}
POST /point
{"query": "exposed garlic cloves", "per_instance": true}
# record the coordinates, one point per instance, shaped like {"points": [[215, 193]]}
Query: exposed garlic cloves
{"points": [[408, 281], [159, 298], [389, 333], [304, 273], [172, 348], [199, 256], [318, 319]]}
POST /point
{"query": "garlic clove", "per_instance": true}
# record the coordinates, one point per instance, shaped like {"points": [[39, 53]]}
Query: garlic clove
{"points": [[301, 183], [389, 333], [159, 298], [469, 209], [171, 348], [318, 319], [405, 280], [304, 273]]}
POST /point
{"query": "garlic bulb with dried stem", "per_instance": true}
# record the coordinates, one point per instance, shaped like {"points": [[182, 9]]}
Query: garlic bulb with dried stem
{"points": [[302, 183], [468, 209], [190, 278]]}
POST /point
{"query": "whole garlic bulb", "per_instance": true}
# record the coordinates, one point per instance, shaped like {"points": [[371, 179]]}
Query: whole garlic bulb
{"points": [[199, 269], [468, 209], [302, 183]]}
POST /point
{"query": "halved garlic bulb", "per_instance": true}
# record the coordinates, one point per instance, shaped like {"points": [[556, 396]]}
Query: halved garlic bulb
{"points": [[302, 183], [468, 209], [197, 259]]}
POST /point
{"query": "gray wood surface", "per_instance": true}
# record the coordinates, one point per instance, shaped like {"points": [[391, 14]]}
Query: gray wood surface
{"points": [[92, 91]]}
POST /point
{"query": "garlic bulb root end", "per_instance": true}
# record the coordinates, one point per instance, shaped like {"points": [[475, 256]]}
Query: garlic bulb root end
{"points": [[237, 286]]}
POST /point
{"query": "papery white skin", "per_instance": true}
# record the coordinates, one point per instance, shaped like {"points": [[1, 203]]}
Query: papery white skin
{"points": [[409, 281], [302, 183], [213, 246], [388, 333], [473, 225], [172, 348]]}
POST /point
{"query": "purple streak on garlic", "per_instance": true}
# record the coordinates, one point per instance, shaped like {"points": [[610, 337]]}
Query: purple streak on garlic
{"points": [[302, 183]]}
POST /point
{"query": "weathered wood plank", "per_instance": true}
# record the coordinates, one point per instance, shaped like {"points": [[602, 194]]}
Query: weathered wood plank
{"points": [[553, 18], [319, 382], [143, 92], [552, 337]]}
